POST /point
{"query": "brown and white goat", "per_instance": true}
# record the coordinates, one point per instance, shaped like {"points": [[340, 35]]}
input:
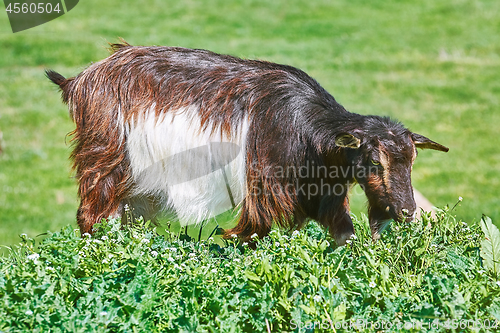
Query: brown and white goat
{"points": [[287, 150]]}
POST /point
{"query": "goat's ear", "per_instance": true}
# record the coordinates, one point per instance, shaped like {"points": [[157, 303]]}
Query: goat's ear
{"points": [[421, 141], [346, 140]]}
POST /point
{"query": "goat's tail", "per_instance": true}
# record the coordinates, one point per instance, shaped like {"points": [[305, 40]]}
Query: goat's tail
{"points": [[63, 83], [57, 78]]}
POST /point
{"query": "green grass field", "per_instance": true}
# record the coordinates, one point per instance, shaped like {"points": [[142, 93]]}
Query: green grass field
{"points": [[434, 65]]}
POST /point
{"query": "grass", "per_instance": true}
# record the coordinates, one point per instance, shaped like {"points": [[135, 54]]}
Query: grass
{"points": [[433, 276], [431, 64]]}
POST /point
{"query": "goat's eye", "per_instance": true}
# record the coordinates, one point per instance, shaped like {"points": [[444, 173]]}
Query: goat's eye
{"points": [[377, 163]]}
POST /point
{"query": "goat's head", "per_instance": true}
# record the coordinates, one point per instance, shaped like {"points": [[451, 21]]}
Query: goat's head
{"points": [[382, 153]]}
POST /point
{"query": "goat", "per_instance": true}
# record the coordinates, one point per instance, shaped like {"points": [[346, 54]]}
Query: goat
{"points": [[284, 150]]}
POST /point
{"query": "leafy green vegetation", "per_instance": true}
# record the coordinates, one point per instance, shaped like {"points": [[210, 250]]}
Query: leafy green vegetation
{"points": [[123, 279], [432, 64]]}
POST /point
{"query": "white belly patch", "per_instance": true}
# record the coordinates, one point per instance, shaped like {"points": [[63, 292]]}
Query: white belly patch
{"points": [[195, 174]]}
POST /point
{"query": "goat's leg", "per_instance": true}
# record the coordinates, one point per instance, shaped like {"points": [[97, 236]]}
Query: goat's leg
{"points": [[253, 220], [100, 197], [336, 218]]}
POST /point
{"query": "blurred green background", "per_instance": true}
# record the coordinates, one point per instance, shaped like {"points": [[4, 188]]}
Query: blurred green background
{"points": [[432, 64]]}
